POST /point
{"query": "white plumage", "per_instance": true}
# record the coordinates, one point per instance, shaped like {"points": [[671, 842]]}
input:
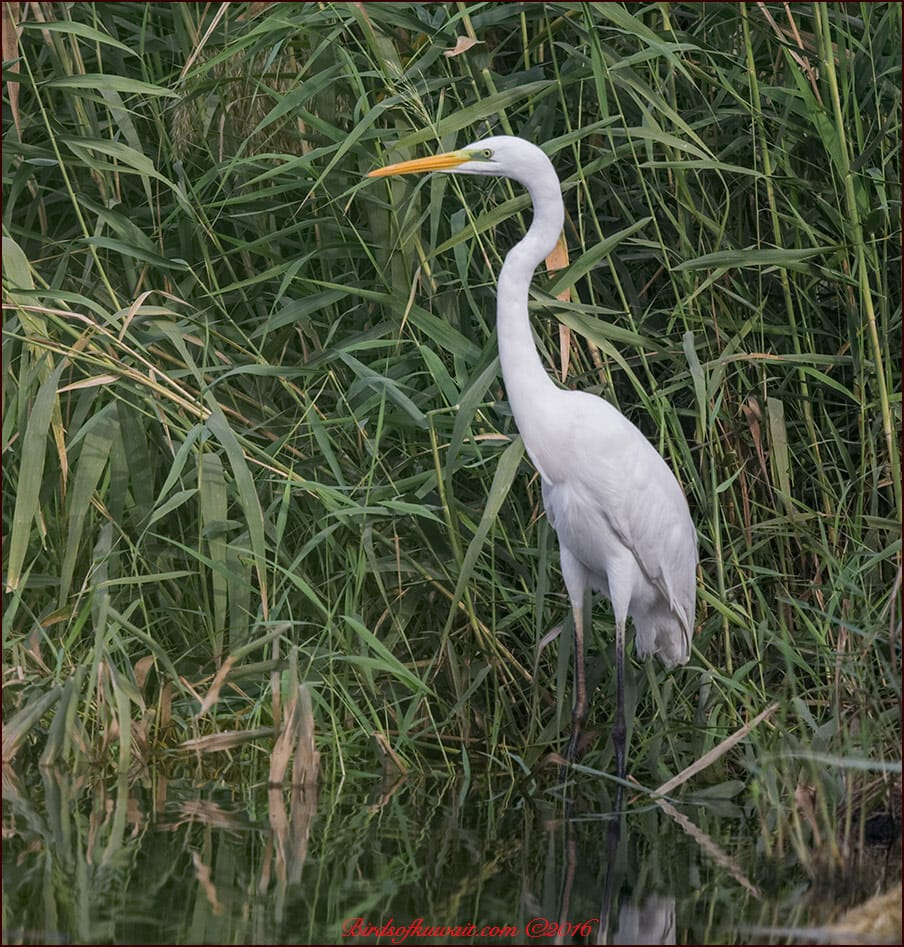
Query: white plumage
{"points": [[622, 520]]}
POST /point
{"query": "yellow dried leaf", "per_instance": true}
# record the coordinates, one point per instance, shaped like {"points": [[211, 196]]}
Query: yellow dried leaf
{"points": [[10, 43], [558, 260], [462, 45]]}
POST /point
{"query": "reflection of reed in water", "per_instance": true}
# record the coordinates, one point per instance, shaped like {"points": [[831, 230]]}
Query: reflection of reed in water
{"points": [[652, 922]]}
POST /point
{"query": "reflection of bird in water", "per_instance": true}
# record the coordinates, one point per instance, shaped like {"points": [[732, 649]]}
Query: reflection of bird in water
{"points": [[653, 922], [621, 517]]}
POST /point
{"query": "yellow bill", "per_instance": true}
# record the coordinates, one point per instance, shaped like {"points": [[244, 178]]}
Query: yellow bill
{"points": [[443, 162]]}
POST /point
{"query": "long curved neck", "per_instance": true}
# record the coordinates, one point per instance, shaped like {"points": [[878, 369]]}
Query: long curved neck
{"points": [[522, 371]]}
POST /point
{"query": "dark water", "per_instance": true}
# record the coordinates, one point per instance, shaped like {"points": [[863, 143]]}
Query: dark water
{"points": [[178, 861]]}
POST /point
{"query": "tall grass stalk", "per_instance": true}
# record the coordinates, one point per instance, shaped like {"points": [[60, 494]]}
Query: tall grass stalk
{"points": [[252, 401]]}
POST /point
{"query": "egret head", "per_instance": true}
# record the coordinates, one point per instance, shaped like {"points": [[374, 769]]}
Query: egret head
{"points": [[502, 156]]}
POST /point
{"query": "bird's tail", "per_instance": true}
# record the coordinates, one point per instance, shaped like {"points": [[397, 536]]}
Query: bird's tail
{"points": [[666, 637]]}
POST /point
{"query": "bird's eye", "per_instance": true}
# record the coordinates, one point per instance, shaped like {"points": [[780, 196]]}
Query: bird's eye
{"points": [[486, 153]]}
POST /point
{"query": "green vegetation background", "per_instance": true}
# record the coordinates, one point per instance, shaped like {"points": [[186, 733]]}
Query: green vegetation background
{"points": [[254, 430]]}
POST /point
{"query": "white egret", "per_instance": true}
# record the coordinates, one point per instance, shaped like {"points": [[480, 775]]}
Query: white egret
{"points": [[622, 519]]}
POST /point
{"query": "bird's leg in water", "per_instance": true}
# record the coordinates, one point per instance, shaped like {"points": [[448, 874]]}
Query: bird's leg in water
{"points": [[579, 710], [619, 731]]}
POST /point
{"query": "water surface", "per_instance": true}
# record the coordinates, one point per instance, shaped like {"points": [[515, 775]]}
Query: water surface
{"points": [[363, 861]]}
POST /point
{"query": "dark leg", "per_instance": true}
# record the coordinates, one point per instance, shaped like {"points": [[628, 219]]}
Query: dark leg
{"points": [[613, 843], [579, 710], [619, 731]]}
